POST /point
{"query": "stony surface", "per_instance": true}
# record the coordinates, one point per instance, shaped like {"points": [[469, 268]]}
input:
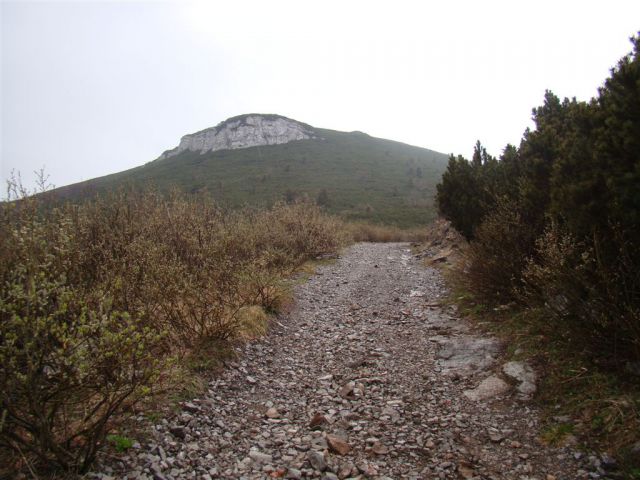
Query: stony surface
{"points": [[524, 375], [242, 132], [363, 379], [488, 388]]}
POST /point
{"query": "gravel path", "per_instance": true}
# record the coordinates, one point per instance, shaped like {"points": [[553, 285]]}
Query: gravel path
{"points": [[365, 378]]}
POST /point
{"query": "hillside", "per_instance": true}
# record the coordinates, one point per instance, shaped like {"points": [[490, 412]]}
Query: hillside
{"points": [[365, 178]]}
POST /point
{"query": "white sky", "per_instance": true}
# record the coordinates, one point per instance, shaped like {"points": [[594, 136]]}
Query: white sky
{"points": [[91, 88]]}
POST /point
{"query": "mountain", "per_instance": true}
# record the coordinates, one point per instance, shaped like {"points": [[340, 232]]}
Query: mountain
{"points": [[243, 132], [258, 159]]}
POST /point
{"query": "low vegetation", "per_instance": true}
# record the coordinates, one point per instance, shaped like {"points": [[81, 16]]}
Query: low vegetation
{"points": [[352, 175], [99, 301], [369, 232], [554, 232]]}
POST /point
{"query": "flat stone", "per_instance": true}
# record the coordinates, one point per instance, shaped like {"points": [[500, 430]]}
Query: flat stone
{"points": [[522, 373], [317, 460], [467, 354], [490, 387], [259, 457]]}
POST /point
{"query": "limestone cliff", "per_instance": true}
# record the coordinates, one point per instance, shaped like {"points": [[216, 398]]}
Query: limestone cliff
{"points": [[244, 131]]}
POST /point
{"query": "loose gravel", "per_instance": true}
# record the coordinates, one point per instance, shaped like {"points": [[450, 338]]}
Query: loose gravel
{"points": [[369, 376]]}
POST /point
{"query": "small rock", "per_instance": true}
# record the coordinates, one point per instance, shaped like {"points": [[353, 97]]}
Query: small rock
{"points": [[317, 420], [346, 470], [317, 461], [609, 463], [319, 443], [190, 407], [329, 476], [259, 457], [338, 445], [562, 418], [178, 431], [391, 412], [293, 474], [367, 469], [347, 390], [251, 379], [379, 449], [272, 413], [465, 470]]}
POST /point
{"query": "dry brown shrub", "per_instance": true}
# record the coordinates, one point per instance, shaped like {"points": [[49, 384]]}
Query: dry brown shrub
{"points": [[593, 302], [102, 294], [493, 264], [368, 232], [69, 357]]}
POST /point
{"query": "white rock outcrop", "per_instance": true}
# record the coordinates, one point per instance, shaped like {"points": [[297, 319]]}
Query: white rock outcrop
{"points": [[242, 132], [524, 375]]}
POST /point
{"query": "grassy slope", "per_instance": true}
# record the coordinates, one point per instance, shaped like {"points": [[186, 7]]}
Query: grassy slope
{"points": [[366, 178]]}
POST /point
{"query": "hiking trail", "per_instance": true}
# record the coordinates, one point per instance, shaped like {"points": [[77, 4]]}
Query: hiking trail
{"points": [[369, 375]]}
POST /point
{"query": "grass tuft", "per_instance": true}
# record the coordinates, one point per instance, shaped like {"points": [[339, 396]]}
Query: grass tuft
{"points": [[120, 443]]}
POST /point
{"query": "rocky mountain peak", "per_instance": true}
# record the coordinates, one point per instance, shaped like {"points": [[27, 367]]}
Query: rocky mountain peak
{"points": [[244, 131]]}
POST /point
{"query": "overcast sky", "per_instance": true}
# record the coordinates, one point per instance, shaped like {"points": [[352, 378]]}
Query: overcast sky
{"points": [[91, 88]]}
